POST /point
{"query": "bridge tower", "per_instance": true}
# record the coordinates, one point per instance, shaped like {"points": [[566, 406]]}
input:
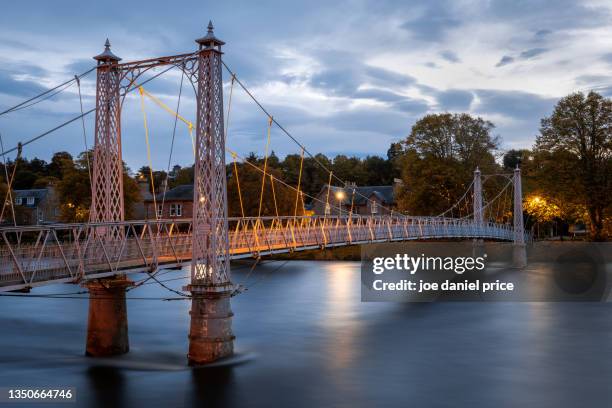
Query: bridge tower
{"points": [[107, 327], [210, 334], [107, 182], [478, 216], [519, 254], [478, 247]]}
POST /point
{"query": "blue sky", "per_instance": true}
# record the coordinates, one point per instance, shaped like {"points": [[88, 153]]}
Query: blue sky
{"points": [[344, 77]]}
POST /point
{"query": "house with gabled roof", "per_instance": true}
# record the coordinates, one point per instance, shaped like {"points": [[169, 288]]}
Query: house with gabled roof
{"points": [[362, 200]]}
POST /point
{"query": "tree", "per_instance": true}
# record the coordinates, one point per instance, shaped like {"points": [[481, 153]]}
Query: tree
{"points": [[394, 151], [442, 152], [250, 191], [378, 171], [60, 162], [577, 138], [453, 136], [514, 158], [349, 169]]}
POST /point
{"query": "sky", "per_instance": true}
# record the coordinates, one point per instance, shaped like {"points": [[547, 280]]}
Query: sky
{"points": [[344, 77]]}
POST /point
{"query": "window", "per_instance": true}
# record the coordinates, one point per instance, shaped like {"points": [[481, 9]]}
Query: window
{"points": [[30, 201], [374, 207], [176, 210], [18, 201], [160, 211]]}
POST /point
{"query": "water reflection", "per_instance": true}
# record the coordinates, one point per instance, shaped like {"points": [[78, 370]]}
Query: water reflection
{"points": [[340, 318], [314, 343], [211, 387], [106, 387]]}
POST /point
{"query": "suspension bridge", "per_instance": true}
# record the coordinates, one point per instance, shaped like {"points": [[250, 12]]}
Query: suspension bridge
{"points": [[100, 253]]}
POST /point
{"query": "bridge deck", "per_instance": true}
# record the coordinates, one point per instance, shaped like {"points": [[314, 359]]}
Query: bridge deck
{"points": [[39, 255]]}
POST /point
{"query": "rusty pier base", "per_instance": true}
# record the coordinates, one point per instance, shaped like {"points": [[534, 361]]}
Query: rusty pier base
{"points": [[210, 332], [107, 325]]}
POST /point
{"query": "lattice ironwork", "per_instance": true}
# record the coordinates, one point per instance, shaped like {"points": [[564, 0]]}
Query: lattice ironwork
{"points": [[114, 80], [519, 228], [210, 259], [107, 181], [478, 216], [38, 255]]}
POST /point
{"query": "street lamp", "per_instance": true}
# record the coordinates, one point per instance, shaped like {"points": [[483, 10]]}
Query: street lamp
{"points": [[340, 196]]}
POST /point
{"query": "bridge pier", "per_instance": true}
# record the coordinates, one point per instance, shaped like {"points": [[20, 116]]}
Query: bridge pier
{"points": [[519, 255], [107, 326], [210, 332]]}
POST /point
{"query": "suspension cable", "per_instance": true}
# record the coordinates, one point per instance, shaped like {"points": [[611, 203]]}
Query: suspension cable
{"points": [[78, 82], [178, 105], [327, 206], [229, 106], [285, 131], [297, 193], [9, 183], [27, 104], [274, 195], [238, 184], [146, 129], [48, 132], [468, 189], [247, 162], [263, 178]]}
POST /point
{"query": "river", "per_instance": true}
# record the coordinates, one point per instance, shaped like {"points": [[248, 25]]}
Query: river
{"points": [[305, 339]]}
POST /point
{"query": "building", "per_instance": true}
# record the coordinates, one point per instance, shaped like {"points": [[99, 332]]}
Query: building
{"points": [[367, 200], [139, 211], [178, 203], [35, 206]]}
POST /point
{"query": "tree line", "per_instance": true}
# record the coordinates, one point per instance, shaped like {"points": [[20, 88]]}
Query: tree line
{"points": [[567, 173]]}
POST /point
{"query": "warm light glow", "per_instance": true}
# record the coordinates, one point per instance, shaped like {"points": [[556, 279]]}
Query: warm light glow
{"points": [[202, 199], [540, 208], [340, 195]]}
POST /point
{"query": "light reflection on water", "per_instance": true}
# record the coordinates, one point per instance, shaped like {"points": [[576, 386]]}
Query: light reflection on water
{"points": [[305, 339]]}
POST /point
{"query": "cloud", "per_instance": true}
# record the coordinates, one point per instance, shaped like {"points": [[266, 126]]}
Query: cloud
{"points": [[607, 57], [590, 79], [11, 86], [455, 99], [524, 55], [532, 53], [505, 60], [433, 22], [450, 56], [518, 105], [541, 34]]}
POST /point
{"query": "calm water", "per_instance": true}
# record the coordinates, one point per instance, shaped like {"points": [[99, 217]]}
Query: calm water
{"points": [[304, 339]]}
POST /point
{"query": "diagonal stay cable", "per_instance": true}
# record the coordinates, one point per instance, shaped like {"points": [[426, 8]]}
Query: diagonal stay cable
{"points": [[40, 136], [178, 105], [286, 132], [26, 103]]}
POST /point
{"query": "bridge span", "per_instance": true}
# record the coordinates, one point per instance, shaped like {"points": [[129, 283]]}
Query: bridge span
{"points": [[38, 255]]}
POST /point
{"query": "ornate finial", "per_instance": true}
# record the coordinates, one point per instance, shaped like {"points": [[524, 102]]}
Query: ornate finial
{"points": [[209, 40], [107, 55]]}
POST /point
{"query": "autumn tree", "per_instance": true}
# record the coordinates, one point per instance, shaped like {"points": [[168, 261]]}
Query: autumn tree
{"points": [[441, 154], [276, 197], [574, 151]]}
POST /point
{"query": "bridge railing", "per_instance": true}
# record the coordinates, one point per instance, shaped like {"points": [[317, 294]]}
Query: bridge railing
{"points": [[30, 255]]}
